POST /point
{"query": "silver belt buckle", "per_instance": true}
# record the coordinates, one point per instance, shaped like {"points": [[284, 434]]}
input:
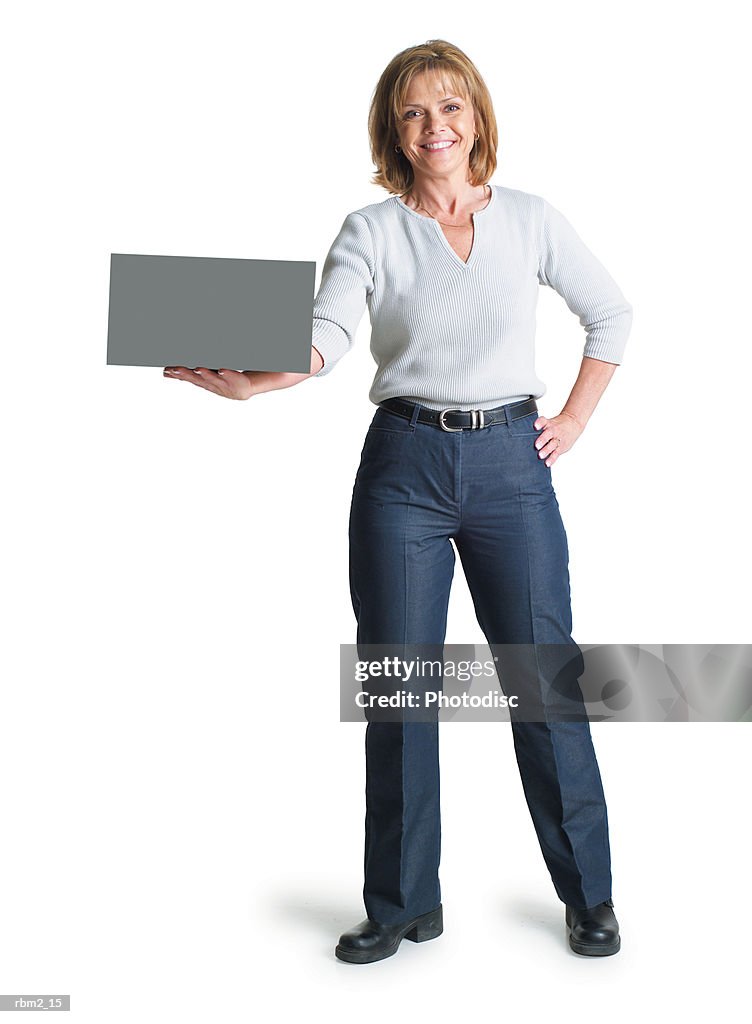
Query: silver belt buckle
{"points": [[477, 420], [443, 425], [476, 416]]}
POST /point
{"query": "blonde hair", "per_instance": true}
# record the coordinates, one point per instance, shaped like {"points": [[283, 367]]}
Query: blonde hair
{"points": [[393, 170]]}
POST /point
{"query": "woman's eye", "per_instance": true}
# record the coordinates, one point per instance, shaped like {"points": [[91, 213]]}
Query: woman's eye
{"points": [[409, 117]]}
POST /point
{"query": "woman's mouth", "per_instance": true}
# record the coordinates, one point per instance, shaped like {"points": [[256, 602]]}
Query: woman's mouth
{"points": [[437, 147]]}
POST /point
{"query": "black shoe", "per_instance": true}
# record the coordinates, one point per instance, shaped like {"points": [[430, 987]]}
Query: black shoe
{"points": [[369, 940], [595, 931]]}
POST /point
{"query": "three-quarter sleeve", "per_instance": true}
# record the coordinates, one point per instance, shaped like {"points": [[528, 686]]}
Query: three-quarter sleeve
{"points": [[568, 266], [347, 279]]}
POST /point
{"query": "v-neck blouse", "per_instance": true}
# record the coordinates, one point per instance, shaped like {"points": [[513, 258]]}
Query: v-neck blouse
{"points": [[445, 241], [454, 334]]}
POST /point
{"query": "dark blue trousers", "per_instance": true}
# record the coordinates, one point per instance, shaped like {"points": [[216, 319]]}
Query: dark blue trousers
{"points": [[418, 488]]}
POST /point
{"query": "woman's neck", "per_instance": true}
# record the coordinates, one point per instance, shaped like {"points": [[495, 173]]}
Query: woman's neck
{"points": [[443, 199]]}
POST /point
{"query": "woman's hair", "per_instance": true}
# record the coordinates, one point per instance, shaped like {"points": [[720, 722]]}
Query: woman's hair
{"points": [[393, 170]]}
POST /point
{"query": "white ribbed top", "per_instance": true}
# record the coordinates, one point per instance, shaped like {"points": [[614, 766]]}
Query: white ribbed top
{"points": [[447, 333]]}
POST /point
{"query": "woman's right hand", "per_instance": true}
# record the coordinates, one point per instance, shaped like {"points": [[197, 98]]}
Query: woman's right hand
{"points": [[243, 384], [225, 383]]}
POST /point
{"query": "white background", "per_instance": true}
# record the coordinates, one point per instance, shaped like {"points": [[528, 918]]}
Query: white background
{"points": [[182, 810]]}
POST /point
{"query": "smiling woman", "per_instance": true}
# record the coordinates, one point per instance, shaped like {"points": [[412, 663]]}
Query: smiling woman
{"points": [[458, 457], [431, 94]]}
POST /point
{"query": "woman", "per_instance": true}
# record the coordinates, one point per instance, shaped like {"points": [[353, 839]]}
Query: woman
{"points": [[449, 267]]}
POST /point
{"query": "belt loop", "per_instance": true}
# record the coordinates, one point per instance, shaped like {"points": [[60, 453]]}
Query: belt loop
{"points": [[415, 415]]}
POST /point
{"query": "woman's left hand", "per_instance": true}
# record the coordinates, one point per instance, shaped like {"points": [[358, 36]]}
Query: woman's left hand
{"points": [[559, 435]]}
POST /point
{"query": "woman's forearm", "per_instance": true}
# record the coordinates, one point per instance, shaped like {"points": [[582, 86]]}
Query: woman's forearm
{"points": [[591, 382], [263, 380]]}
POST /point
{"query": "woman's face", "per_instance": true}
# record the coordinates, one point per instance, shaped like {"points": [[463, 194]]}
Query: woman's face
{"points": [[433, 114]]}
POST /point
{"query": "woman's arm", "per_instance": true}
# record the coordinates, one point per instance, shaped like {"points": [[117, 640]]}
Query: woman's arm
{"points": [[346, 282], [560, 432], [591, 382], [568, 266]]}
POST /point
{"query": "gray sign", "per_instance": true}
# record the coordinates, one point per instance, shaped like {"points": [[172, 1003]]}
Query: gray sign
{"points": [[202, 311]]}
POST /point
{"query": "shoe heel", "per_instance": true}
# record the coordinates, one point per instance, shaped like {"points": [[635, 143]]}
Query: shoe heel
{"points": [[429, 926]]}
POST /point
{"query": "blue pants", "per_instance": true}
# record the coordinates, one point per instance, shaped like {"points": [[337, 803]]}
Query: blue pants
{"points": [[417, 487]]}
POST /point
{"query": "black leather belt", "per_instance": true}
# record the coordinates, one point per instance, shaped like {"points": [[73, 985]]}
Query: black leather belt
{"points": [[460, 419]]}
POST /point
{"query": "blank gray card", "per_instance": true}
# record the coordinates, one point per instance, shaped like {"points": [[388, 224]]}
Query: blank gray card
{"points": [[213, 312]]}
